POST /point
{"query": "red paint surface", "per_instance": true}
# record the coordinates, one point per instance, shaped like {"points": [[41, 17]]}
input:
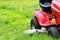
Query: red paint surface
{"points": [[56, 10]]}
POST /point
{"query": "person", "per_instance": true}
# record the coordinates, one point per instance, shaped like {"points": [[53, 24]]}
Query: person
{"points": [[45, 5]]}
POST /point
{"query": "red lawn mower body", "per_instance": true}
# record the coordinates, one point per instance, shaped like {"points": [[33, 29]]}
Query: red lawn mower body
{"points": [[44, 18], [56, 10], [48, 19]]}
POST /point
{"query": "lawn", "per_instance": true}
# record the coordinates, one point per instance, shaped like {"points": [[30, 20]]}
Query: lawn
{"points": [[15, 16]]}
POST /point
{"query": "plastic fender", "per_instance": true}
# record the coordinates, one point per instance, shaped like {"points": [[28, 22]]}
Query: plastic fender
{"points": [[42, 18]]}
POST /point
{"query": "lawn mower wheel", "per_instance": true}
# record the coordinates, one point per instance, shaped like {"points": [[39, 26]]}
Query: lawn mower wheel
{"points": [[53, 32], [35, 24]]}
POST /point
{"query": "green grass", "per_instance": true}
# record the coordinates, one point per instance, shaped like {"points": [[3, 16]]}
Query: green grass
{"points": [[15, 16]]}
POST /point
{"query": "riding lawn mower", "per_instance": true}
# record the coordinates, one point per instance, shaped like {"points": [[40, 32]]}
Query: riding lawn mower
{"points": [[48, 19]]}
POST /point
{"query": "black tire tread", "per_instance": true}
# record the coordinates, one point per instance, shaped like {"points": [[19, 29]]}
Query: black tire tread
{"points": [[35, 23], [54, 32]]}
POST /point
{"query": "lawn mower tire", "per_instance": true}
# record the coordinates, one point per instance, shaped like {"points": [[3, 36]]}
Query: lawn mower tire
{"points": [[53, 32], [34, 23]]}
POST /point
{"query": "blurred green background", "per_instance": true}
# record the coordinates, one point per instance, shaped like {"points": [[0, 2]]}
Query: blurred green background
{"points": [[15, 16]]}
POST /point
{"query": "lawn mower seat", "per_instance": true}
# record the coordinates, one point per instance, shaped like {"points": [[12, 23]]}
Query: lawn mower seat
{"points": [[45, 5]]}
